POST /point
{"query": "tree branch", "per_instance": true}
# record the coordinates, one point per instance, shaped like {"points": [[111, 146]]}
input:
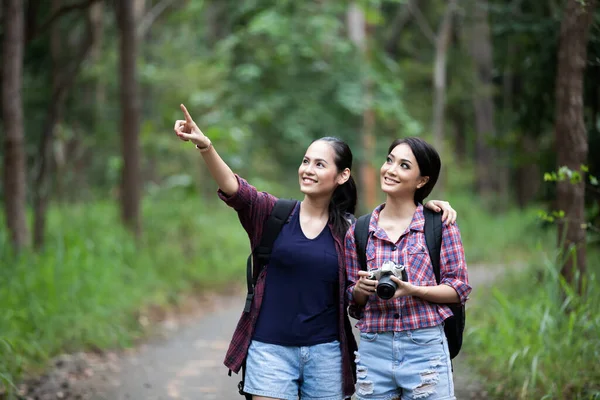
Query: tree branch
{"points": [[151, 16], [422, 22], [81, 5], [400, 19]]}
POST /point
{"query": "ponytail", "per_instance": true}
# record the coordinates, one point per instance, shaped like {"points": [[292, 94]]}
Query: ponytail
{"points": [[342, 206]]}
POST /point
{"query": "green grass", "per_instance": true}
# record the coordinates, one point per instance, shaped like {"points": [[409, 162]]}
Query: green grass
{"points": [[532, 342], [498, 238], [85, 289]]}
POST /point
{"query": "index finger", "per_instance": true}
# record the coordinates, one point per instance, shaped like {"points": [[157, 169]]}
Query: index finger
{"points": [[188, 117]]}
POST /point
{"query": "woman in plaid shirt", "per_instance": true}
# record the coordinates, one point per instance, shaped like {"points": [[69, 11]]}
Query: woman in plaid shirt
{"points": [[297, 337], [403, 352]]}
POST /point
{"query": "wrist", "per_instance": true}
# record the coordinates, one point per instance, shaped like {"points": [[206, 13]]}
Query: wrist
{"points": [[418, 291], [203, 147], [360, 297]]}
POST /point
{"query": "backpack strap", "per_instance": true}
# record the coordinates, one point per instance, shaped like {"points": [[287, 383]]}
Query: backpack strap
{"points": [[279, 215], [454, 326], [361, 238], [433, 238]]}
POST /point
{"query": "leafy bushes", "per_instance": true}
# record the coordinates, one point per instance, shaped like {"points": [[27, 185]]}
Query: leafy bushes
{"points": [[532, 341]]}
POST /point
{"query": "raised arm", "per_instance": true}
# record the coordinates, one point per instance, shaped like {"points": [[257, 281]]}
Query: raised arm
{"points": [[187, 130]]}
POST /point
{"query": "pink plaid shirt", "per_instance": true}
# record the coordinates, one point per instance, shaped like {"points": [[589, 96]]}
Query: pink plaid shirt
{"points": [[406, 313], [253, 208]]}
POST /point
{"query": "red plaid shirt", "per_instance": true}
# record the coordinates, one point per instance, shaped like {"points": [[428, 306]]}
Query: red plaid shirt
{"points": [[406, 313], [253, 209]]}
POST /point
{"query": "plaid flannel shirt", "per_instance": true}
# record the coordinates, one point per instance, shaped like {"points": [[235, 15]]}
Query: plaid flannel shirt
{"points": [[253, 209], [408, 312]]}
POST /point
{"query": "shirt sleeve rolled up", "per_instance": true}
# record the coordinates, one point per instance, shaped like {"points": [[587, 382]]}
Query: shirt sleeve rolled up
{"points": [[453, 266]]}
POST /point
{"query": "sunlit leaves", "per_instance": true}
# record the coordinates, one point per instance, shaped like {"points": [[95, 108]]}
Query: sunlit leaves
{"points": [[564, 173]]}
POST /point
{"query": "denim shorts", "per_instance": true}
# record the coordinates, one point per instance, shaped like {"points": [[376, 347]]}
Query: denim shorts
{"points": [[283, 372], [404, 365]]}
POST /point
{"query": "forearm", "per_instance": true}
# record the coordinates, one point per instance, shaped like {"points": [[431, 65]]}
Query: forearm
{"points": [[437, 294], [220, 171]]}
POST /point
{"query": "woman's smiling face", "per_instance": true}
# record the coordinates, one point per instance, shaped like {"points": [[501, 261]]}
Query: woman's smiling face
{"points": [[318, 173], [400, 174]]}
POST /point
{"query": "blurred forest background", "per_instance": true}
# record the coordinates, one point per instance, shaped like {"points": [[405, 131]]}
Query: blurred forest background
{"points": [[107, 213]]}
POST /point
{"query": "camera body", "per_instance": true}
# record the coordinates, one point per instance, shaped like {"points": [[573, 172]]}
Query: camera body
{"points": [[386, 287]]}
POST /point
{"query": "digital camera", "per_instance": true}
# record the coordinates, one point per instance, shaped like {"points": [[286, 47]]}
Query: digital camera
{"points": [[386, 287]]}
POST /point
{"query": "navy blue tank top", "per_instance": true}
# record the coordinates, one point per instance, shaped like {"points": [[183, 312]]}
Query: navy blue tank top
{"points": [[299, 307]]}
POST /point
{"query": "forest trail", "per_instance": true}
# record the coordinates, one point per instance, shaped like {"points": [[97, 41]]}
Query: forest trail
{"points": [[186, 360]]}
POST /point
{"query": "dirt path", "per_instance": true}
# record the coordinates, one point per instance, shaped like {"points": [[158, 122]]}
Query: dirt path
{"points": [[186, 362]]}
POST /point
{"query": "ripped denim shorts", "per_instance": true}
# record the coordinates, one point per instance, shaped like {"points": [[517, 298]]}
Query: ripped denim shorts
{"points": [[404, 365]]}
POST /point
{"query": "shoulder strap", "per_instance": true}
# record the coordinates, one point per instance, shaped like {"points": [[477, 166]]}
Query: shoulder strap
{"points": [[279, 215], [361, 237], [433, 238]]}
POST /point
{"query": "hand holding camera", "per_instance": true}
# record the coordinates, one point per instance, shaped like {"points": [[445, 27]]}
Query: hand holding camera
{"points": [[386, 287]]}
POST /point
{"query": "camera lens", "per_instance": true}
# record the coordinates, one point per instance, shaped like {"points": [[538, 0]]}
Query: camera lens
{"points": [[386, 288]]}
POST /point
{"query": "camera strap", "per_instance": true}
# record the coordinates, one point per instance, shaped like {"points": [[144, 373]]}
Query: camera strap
{"points": [[278, 217]]}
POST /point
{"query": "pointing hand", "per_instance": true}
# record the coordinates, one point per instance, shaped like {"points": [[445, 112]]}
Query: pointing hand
{"points": [[187, 130]]}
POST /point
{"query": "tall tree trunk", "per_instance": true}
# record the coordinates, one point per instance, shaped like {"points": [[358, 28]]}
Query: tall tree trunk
{"points": [[489, 170], [44, 160], [64, 74], [460, 136], [130, 116], [442, 41], [528, 173], [139, 9], [96, 15], [358, 31], [570, 131], [31, 15], [12, 117]]}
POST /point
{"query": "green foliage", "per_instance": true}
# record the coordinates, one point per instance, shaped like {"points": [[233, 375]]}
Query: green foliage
{"points": [[295, 75], [502, 238], [86, 288], [565, 174], [573, 176], [531, 342]]}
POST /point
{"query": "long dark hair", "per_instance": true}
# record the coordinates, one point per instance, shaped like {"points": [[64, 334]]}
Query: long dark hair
{"points": [[428, 160], [343, 201]]}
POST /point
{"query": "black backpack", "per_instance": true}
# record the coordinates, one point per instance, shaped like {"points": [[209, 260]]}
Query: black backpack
{"points": [[453, 326], [279, 215]]}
